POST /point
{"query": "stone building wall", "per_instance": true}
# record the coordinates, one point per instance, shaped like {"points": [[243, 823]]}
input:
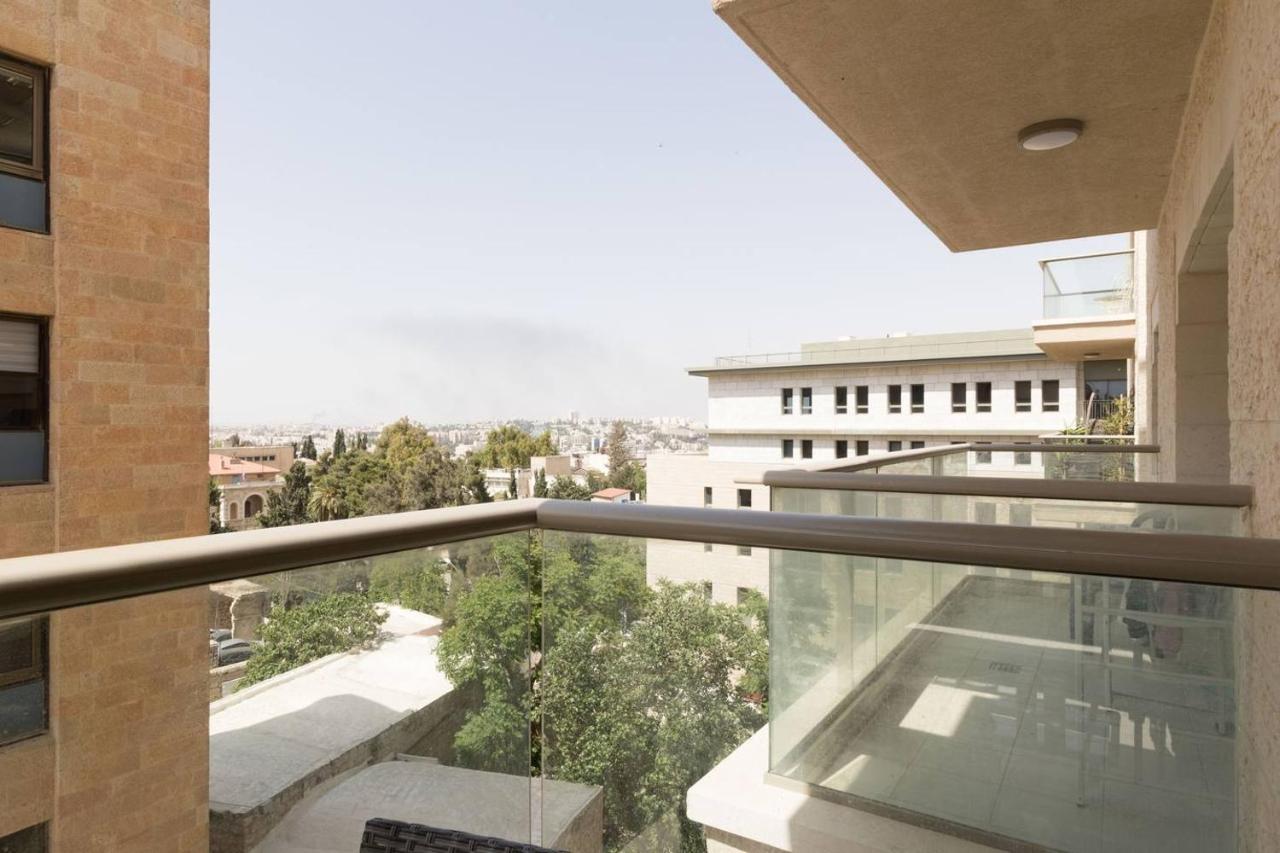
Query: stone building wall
{"points": [[123, 279], [1231, 133]]}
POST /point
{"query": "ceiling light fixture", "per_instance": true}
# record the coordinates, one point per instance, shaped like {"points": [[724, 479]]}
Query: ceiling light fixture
{"points": [[1048, 135]]}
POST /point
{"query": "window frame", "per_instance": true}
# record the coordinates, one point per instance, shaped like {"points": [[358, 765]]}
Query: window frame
{"points": [[42, 393], [806, 448], [917, 445], [806, 401], [893, 449], [37, 671], [1019, 405], [842, 448], [962, 404], [741, 503], [894, 391], [788, 401], [978, 405], [708, 496], [917, 408], [38, 168], [861, 447], [842, 399], [788, 448], [861, 399], [1047, 405]]}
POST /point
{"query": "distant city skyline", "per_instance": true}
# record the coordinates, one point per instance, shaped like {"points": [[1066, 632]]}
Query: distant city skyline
{"points": [[533, 212]]}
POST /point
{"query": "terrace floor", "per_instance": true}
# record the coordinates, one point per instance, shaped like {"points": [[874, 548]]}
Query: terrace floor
{"points": [[1000, 715]]}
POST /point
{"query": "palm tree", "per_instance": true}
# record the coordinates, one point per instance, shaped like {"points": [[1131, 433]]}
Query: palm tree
{"points": [[327, 502]]}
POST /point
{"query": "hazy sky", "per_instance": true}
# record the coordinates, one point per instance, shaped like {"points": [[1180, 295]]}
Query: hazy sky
{"points": [[461, 211]]}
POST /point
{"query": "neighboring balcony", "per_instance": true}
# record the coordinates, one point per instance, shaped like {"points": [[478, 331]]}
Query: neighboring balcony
{"points": [[1088, 307]]}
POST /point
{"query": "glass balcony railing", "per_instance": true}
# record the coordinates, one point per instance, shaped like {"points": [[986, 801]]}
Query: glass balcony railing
{"points": [[1048, 708], [566, 673], [1088, 285]]}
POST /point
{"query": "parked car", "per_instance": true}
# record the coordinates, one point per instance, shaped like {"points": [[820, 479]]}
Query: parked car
{"points": [[234, 651]]}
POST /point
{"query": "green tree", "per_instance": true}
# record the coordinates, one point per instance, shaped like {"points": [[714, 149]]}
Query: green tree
{"points": [[416, 580], [308, 450], [616, 447], [477, 488], [296, 636], [540, 483], [402, 443], [640, 691], [566, 489], [215, 507], [339, 443], [292, 504], [513, 491], [511, 448]]}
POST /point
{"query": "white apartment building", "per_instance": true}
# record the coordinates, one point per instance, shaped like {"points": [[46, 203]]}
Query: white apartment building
{"points": [[839, 400]]}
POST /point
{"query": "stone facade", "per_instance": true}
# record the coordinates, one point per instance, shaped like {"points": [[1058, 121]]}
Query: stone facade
{"points": [[1230, 143], [123, 281]]}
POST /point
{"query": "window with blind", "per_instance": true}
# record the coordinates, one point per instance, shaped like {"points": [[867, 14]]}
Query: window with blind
{"points": [[23, 404]]}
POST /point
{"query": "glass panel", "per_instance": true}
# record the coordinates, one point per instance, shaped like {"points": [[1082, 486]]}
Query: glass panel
{"points": [[1077, 713], [23, 678], [1088, 286], [1035, 512], [647, 682], [394, 687], [22, 203], [17, 116], [21, 457]]}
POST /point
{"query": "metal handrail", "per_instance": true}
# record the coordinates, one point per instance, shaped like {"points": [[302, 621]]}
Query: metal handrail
{"points": [[1181, 494], [33, 585]]}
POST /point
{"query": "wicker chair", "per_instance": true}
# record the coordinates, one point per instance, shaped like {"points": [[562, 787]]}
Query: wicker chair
{"points": [[393, 836]]}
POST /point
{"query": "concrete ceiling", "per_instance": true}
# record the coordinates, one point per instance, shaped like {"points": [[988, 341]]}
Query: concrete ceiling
{"points": [[931, 95]]}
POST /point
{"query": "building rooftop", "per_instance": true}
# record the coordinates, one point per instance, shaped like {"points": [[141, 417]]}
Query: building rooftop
{"points": [[996, 344], [221, 466]]}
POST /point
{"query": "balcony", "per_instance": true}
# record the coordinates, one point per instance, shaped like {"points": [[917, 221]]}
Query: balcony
{"points": [[1065, 683], [1088, 307]]}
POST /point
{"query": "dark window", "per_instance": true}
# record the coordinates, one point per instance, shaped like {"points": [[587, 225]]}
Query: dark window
{"points": [[1022, 457], [806, 449], [23, 400], [959, 396], [706, 496], [982, 457], [1104, 382], [788, 448], [33, 839], [842, 448], [861, 448], [23, 679], [24, 177], [895, 399], [842, 399], [744, 550], [806, 401], [917, 445], [706, 590], [744, 499], [788, 396], [1022, 395], [706, 546], [895, 446], [1049, 395], [862, 399], [982, 391], [744, 595], [917, 399]]}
